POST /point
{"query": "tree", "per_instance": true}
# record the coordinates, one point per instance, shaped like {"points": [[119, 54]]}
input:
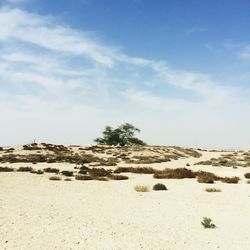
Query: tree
{"points": [[121, 136]]}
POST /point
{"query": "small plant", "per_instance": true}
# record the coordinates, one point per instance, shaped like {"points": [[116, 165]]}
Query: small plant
{"points": [[141, 188], [55, 178], [159, 186], [207, 223], [248, 181], [211, 190]]}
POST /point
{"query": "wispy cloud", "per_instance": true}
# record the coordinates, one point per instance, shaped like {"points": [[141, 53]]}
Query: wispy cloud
{"points": [[194, 30], [60, 77]]}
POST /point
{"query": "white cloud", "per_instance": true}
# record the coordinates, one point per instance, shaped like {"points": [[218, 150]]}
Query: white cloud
{"points": [[58, 83]]}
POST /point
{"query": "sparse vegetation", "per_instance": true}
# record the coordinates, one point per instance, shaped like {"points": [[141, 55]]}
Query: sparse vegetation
{"points": [[141, 188], [206, 177], [178, 173], [207, 223], [37, 172], [159, 186]]}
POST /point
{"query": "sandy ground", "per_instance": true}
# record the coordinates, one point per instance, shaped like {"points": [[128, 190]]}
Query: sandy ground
{"points": [[36, 213]]}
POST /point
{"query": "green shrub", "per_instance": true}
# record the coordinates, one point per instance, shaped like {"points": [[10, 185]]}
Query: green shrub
{"points": [[67, 173], [207, 223], [159, 186]]}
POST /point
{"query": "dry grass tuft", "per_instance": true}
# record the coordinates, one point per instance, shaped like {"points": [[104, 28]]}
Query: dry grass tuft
{"points": [[212, 190], [137, 170], [37, 172], [206, 177], [178, 173], [141, 188], [231, 180]]}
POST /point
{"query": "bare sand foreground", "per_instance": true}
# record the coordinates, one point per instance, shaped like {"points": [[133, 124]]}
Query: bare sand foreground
{"points": [[37, 213]]}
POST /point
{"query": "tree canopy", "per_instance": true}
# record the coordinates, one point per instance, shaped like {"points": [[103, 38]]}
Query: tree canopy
{"points": [[121, 136]]}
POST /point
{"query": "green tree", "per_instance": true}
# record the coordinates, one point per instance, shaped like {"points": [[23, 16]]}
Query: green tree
{"points": [[122, 136]]}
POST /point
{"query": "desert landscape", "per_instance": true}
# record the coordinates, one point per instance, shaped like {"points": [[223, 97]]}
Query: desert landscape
{"points": [[106, 197]]}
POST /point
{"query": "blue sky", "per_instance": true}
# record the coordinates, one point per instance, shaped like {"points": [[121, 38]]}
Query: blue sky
{"points": [[178, 70]]}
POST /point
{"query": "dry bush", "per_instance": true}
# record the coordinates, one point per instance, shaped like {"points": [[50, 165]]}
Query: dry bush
{"points": [[101, 179], [6, 169], [248, 181], [118, 177], [25, 169], [67, 173], [141, 188], [178, 173], [83, 177], [206, 177], [51, 170], [231, 180], [99, 172], [55, 178], [138, 170], [212, 190], [247, 175]]}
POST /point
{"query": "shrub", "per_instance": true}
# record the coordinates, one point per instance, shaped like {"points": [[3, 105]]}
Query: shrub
{"points": [[207, 223], [141, 188], [51, 170], [25, 169], [99, 172], [231, 180], [6, 169], [55, 178], [178, 173], [212, 190], [118, 177], [159, 186], [248, 181], [67, 173], [143, 170], [101, 179], [206, 177], [83, 177], [247, 175]]}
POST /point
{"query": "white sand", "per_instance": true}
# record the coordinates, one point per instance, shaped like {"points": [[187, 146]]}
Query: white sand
{"points": [[36, 213]]}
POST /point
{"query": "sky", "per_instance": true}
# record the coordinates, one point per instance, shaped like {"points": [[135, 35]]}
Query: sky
{"points": [[178, 70]]}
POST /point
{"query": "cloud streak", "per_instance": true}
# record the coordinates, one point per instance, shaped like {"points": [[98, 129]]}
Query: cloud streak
{"points": [[53, 74]]}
